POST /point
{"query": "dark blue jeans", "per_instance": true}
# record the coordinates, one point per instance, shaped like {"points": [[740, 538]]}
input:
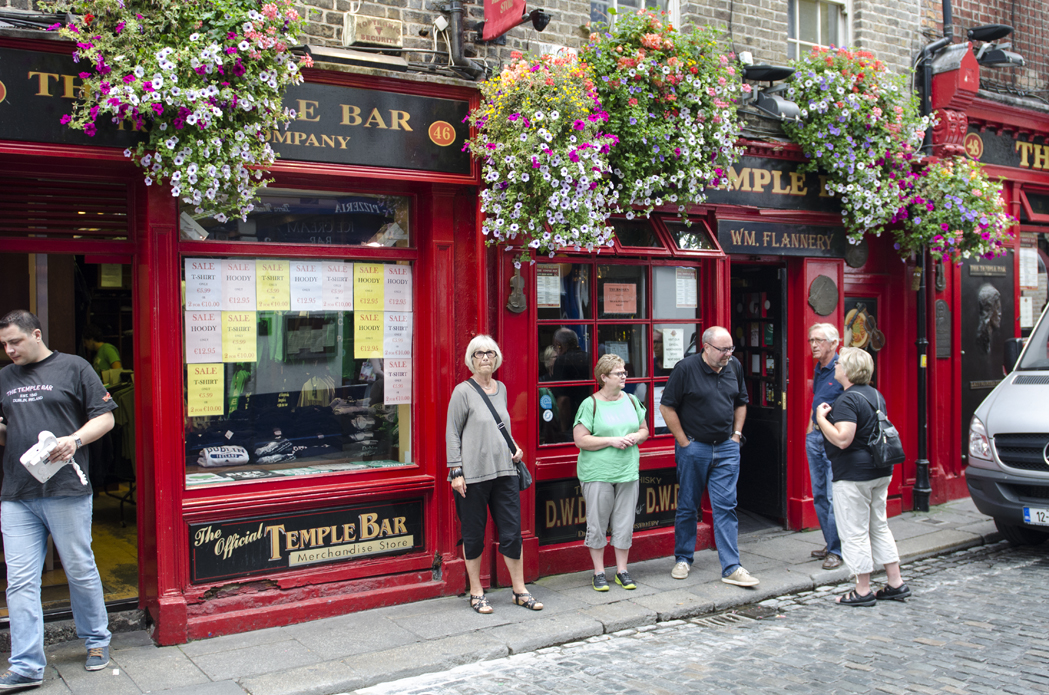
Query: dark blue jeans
{"points": [[713, 467], [822, 496]]}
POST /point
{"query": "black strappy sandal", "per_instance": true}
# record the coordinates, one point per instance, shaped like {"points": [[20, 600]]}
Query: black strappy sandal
{"points": [[480, 604], [854, 599], [526, 600]]}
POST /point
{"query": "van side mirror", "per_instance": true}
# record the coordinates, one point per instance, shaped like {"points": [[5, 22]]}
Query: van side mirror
{"points": [[1013, 346]]}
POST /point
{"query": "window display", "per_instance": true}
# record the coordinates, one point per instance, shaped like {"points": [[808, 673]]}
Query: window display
{"points": [[309, 217], [296, 367], [572, 338]]}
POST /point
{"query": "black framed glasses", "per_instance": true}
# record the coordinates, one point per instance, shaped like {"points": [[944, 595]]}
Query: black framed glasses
{"points": [[722, 350], [490, 354]]}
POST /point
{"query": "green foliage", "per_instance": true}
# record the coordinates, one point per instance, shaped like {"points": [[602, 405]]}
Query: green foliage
{"points": [[672, 102], [202, 78]]}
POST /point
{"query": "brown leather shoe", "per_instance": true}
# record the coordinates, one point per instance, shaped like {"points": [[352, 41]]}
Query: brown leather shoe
{"points": [[831, 562], [819, 553]]}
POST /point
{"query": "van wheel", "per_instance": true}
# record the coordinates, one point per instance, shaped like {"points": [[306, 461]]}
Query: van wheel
{"points": [[1020, 535]]}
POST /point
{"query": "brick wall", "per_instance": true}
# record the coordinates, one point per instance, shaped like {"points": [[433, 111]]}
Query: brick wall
{"points": [[1030, 20], [888, 28]]}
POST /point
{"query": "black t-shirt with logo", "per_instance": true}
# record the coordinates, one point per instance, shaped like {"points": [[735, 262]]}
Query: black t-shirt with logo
{"points": [[854, 462], [60, 393], [705, 400]]}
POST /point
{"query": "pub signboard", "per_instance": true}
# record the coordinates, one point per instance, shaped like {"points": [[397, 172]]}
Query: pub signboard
{"points": [[560, 509], [242, 547], [333, 124], [780, 239]]}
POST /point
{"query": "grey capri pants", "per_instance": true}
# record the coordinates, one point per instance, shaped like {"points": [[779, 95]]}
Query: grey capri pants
{"points": [[610, 501]]}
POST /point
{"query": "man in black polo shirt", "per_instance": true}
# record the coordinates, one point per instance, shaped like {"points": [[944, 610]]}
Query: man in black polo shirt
{"points": [[704, 405]]}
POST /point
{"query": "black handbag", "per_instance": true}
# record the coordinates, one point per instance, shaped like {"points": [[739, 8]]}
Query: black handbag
{"points": [[884, 444], [524, 478]]}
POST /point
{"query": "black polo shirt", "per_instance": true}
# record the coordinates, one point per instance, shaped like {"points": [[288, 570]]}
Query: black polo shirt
{"points": [[705, 400]]}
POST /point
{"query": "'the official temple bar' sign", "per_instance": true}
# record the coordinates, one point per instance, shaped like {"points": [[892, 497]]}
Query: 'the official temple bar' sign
{"points": [[333, 124], [243, 547], [777, 239]]}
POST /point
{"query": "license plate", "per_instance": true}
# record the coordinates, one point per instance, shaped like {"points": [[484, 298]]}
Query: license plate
{"points": [[1036, 516]]}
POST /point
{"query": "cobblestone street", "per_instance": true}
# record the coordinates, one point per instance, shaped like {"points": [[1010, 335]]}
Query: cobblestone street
{"points": [[976, 624]]}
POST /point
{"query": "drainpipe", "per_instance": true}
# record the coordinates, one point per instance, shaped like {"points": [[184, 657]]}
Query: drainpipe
{"points": [[922, 484], [455, 12]]}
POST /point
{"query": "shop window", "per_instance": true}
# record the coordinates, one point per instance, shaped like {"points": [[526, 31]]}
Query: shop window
{"points": [[1035, 205], [815, 23], [694, 237], [636, 233], [296, 367], [63, 209], [627, 295], [309, 217]]}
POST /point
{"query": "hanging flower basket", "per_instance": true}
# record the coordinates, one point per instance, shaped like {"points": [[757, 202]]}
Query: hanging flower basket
{"points": [[545, 158], [860, 126], [672, 102], [955, 211], [202, 78]]}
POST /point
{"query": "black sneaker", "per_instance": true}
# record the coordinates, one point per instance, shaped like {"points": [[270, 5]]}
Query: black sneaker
{"points": [[600, 582], [623, 579], [16, 681]]}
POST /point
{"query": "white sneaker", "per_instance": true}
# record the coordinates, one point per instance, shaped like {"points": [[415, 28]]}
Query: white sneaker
{"points": [[680, 570], [740, 577]]}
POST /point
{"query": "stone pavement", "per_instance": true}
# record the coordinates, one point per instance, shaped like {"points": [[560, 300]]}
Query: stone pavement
{"points": [[975, 624], [350, 652]]}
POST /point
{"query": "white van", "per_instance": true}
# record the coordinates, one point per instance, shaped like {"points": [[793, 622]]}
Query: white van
{"points": [[1008, 472]]}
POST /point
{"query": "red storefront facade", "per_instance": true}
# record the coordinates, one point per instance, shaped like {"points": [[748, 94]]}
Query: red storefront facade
{"points": [[325, 532]]}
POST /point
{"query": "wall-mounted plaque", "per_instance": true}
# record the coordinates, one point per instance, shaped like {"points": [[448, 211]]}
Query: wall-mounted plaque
{"points": [[943, 330], [823, 295]]}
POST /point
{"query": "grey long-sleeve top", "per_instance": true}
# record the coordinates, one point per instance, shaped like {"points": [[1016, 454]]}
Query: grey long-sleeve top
{"points": [[473, 439]]}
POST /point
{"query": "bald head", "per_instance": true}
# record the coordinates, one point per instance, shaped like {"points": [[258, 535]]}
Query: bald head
{"points": [[717, 347]]}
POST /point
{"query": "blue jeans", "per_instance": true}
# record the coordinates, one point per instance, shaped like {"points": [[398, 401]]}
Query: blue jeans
{"points": [[822, 496], [26, 525], [714, 467]]}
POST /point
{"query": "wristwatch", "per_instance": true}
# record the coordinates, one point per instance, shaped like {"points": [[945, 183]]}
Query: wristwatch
{"points": [[742, 439], [79, 443]]}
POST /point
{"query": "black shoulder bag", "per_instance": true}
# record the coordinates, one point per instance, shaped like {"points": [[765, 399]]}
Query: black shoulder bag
{"points": [[884, 443], [524, 478]]}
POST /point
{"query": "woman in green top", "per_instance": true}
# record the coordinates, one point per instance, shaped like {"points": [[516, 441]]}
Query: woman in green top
{"points": [[608, 428]]}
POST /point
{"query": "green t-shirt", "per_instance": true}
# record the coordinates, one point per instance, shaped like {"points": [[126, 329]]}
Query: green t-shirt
{"points": [[105, 357], [616, 419]]}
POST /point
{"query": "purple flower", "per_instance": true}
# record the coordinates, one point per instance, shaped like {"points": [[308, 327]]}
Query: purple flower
{"points": [[129, 79], [513, 117], [579, 124], [120, 27], [66, 118]]}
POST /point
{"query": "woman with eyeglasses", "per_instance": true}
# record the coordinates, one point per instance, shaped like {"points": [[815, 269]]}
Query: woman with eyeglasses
{"points": [[609, 426], [483, 472]]}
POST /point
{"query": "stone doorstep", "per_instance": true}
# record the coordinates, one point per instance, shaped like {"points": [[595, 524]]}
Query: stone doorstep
{"points": [[60, 631]]}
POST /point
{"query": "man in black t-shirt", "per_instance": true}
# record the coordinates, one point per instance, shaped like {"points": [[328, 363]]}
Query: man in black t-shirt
{"points": [[704, 405], [61, 394]]}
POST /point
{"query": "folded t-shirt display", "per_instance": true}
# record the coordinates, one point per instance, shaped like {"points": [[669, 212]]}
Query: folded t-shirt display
{"points": [[216, 456]]}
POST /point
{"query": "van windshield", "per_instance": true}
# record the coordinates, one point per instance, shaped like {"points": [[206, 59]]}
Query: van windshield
{"points": [[1037, 354]]}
